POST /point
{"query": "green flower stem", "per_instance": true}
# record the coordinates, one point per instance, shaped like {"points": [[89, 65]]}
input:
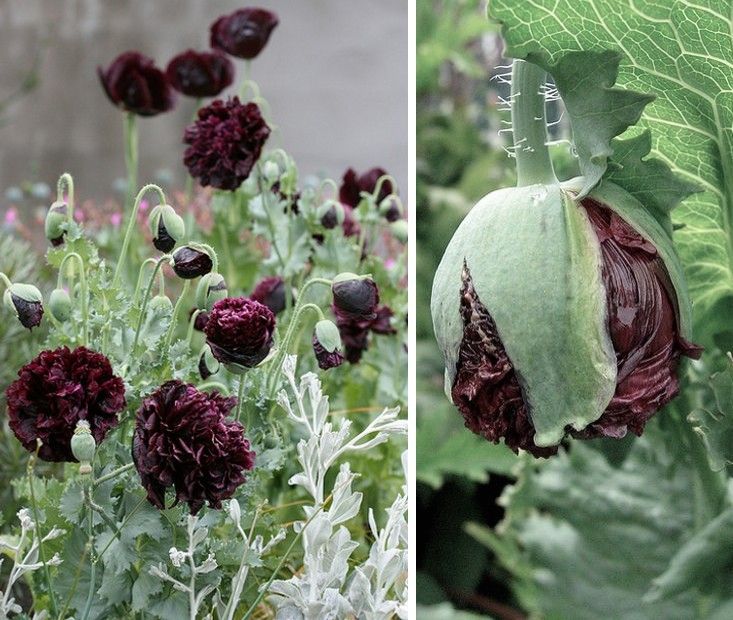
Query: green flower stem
{"points": [[378, 187], [141, 273], [131, 155], [92, 559], [5, 280], [41, 550], [529, 126], [191, 323], [224, 238], [270, 222], [144, 306], [84, 293], [131, 226], [176, 310], [66, 180], [113, 474], [240, 398], [214, 384]]}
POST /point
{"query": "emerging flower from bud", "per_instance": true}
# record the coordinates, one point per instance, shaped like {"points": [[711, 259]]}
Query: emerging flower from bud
{"points": [[59, 303], [270, 291], [55, 224], [27, 303], [190, 262], [352, 185], [354, 296], [225, 142], [202, 318], [208, 364], [355, 331], [211, 288], [244, 33], [239, 332], [166, 226], [83, 446], [327, 345], [557, 316], [391, 208], [183, 439], [332, 214], [133, 82], [58, 389], [200, 74]]}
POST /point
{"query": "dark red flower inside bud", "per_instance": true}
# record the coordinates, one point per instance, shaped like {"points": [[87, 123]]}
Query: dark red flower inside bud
{"points": [[239, 331], [355, 331], [326, 359], [271, 292], [189, 263], [56, 390], [133, 83], [244, 33], [30, 313], [330, 219], [356, 298], [183, 439], [163, 241], [200, 74], [56, 242]]}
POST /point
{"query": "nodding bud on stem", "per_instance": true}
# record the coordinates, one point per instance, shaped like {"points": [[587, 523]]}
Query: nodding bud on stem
{"points": [[211, 288], [83, 446], [327, 345], [208, 364], [331, 214], [166, 226], [190, 262], [160, 305], [59, 304], [56, 221], [354, 295], [391, 208], [399, 230], [27, 303]]}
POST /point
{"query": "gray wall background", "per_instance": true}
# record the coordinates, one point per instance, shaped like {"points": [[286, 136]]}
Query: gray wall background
{"points": [[334, 73]]}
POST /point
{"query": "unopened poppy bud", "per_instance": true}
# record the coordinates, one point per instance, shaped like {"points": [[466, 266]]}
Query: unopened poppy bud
{"points": [[190, 262], [327, 345], [208, 364], [55, 224], [83, 446], [354, 295], [27, 303], [166, 226], [271, 172], [211, 288], [59, 303], [560, 316], [331, 214], [391, 208], [160, 304], [399, 230]]}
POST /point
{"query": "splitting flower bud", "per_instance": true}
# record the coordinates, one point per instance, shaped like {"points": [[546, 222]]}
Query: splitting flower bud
{"points": [[166, 226], [27, 303], [354, 296], [190, 262], [55, 223], [327, 345], [211, 288]]}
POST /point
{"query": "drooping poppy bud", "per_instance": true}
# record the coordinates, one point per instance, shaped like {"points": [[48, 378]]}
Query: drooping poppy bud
{"points": [[211, 288], [244, 33], [391, 208], [271, 292], [354, 296], [160, 305], [133, 82], [208, 364], [27, 303], [200, 74], [560, 316], [239, 332], [59, 304], [327, 345], [55, 224], [166, 226], [190, 262], [83, 446], [400, 230], [331, 214]]}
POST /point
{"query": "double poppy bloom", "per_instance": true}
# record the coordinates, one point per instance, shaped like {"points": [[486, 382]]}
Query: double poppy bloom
{"points": [[200, 74], [243, 33]]}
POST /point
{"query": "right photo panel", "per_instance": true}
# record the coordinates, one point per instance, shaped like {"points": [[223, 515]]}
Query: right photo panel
{"points": [[574, 295]]}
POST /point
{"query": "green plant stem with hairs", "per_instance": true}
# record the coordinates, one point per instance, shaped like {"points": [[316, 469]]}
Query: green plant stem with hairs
{"points": [[84, 293], [174, 316], [67, 181]]}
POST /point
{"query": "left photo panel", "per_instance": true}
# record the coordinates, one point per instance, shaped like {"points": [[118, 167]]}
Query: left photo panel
{"points": [[203, 344]]}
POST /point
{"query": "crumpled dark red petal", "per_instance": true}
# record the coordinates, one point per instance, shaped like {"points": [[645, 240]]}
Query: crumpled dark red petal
{"points": [[326, 359], [56, 390], [183, 439], [270, 291], [355, 331]]}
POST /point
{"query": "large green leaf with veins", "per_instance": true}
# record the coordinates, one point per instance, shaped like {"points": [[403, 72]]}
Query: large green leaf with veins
{"points": [[681, 52]]}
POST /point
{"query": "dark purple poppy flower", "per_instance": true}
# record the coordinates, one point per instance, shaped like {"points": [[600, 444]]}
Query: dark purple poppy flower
{"points": [[184, 440], [133, 82], [355, 331], [244, 33], [355, 297], [200, 74], [190, 262], [225, 142], [350, 224], [353, 184], [239, 331], [271, 292], [56, 390]]}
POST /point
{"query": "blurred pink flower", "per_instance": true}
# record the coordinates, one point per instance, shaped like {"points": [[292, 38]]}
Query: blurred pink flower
{"points": [[11, 215], [115, 219]]}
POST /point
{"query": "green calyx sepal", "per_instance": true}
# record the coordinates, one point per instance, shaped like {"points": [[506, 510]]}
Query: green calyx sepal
{"points": [[328, 335]]}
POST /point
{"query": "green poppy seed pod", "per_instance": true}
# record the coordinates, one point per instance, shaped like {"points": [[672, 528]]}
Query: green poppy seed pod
{"points": [[560, 316], [59, 303], [166, 226], [83, 446], [399, 230], [55, 224], [211, 288], [27, 303]]}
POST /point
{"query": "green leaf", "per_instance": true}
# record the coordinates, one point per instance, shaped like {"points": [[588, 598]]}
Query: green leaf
{"points": [[680, 52], [145, 586]]}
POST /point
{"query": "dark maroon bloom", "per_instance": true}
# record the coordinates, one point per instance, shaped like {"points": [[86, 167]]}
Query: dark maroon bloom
{"points": [[326, 359], [353, 184], [350, 224], [200, 74], [190, 263], [355, 331], [355, 298], [244, 33], [239, 331], [133, 82], [183, 439], [225, 142], [271, 292], [56, 390]]}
